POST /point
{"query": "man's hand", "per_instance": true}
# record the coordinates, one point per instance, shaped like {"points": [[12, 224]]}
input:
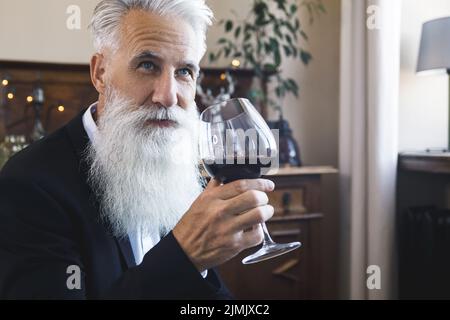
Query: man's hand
{"points": [[212, 230]]}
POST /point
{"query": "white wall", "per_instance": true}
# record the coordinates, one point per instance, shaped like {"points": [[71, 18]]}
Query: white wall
{"points": [[33, 30], [314, 116], [222, 10], [423, 113]]}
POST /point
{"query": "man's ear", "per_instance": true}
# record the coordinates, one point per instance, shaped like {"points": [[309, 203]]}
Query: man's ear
{"points": [[98, 75]]}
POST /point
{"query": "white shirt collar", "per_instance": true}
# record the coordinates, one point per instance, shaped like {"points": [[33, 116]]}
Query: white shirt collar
{"points": [[88, 121]]}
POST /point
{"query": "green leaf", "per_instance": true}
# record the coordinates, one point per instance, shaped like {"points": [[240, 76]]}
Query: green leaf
{"points": [[305, 56], [214, 56], [260, 8], [248, 27], [222, 41], [227, 52], [276, 30], [272, 17], [293, 8], [322, 8], [303, 34], [274, 45], [292, 84], [287, 50], [248, 47], [262, 22], [237, 32], [228, 26], [280, 91], [218, 54], [288, 38], [269, 67], [277, 57], [281, 4], [290, 27], [259, 46]]}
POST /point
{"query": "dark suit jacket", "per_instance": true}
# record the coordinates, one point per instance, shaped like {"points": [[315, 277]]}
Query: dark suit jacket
{"points": [[49, 221]]}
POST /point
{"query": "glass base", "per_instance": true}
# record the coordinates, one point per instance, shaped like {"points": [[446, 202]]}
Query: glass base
{"points": [[271, 251]]}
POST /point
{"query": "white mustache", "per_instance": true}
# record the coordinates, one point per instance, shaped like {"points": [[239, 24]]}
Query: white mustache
{"points": [[177, 114], [161, 113], [182, 116]]}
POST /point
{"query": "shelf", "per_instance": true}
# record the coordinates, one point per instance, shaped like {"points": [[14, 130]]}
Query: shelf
{"points": [[285, 233]]}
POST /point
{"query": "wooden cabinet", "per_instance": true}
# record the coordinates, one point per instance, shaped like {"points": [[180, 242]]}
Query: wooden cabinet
{"points": [[298, 216]]}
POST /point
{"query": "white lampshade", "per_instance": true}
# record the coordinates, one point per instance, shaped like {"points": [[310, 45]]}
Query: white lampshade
{"points": [[434, 53]]}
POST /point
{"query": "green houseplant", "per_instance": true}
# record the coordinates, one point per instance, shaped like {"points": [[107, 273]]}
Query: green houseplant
{"points": [[270, 32]]}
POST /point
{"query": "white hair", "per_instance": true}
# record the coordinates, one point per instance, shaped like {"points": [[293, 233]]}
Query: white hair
{"points": [[145, 177], [108, 14]]}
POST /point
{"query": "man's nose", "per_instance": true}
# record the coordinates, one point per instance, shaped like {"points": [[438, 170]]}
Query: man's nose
{"points": [[165, 92]]}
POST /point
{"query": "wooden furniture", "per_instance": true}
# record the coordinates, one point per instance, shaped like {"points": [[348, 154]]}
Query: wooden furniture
{"points": [[423, 224], [298, 217], [63, 85]]}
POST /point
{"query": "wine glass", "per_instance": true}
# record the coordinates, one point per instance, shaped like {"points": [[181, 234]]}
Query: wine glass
{"points": [[236, 143]]}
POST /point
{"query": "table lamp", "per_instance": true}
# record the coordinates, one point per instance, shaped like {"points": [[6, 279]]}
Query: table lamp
{"points": [[434, 53]]}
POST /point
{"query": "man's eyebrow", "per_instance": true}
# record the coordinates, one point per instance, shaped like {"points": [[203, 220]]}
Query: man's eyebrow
{"points": [[145, 55]]}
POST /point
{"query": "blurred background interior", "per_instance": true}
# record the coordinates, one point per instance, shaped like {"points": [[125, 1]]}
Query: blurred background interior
{"points": [[365, 175]]}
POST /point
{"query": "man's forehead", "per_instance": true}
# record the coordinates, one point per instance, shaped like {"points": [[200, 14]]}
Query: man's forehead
{"points": [[145, 31]]}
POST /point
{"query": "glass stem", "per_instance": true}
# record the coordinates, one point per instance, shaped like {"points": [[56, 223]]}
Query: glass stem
{"points": [[267, 239]]}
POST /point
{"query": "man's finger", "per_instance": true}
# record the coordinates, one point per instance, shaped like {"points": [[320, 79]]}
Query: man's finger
{"points": [[252, 217], [252, 238], [213, 183], [246, 201], [235, 188]]}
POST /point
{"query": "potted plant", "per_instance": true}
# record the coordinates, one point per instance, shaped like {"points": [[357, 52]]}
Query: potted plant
{"points": [[270, 32]]}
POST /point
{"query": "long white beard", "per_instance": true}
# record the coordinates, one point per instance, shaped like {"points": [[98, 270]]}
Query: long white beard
{"points": [[145, 176]]}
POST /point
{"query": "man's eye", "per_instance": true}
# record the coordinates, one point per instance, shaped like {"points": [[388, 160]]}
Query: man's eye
{"points": [[185, 72], [147, 65]]}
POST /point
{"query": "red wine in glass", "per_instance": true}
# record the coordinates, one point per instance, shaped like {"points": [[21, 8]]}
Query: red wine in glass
{"points": [[236, 168], [236, 143]]}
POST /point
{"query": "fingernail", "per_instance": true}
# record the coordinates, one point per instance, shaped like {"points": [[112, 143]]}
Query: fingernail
{"points": [[271, 184]]}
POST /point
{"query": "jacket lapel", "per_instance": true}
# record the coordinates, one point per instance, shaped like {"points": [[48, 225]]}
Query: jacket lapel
{"points": [[127, 251], [80, 141]]}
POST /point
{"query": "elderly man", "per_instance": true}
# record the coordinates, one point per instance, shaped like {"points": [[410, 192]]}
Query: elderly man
{"points": [[111, 205]]}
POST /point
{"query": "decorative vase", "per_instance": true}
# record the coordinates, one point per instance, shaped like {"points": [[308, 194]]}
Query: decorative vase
{"points": [[289, 151]]}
